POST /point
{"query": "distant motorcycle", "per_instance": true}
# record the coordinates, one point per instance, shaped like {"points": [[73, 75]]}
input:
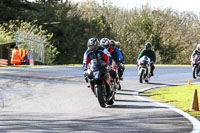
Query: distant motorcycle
{"points": [[196, 67], [103, 82], [144, 69]]}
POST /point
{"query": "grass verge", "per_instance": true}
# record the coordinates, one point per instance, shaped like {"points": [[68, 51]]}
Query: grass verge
{"points": [[181, 96]]}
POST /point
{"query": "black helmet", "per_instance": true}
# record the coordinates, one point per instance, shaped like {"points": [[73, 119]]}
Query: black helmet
{"points": [[148, 45], [92, 42]]}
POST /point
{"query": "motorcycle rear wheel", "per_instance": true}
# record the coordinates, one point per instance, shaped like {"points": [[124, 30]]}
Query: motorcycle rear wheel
{"points": [[100, 96]]}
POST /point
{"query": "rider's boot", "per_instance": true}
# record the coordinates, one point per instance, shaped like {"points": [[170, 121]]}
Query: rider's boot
{"points": [[93, 91], [92, 87], [151, 73], [152, 70]]}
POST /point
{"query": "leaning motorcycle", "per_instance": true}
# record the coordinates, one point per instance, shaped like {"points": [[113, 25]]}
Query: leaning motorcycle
{"points": [[144, 69], [99, 75], [196, 67]]}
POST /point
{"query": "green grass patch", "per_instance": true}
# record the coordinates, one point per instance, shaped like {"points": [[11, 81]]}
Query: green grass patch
{"points": [[181, 96]]}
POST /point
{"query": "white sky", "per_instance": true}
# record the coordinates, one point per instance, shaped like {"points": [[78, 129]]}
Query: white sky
{"points": [[181, 5]]}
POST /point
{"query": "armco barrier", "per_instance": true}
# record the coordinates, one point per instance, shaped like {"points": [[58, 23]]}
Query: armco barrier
{"points": [[3, 62]]}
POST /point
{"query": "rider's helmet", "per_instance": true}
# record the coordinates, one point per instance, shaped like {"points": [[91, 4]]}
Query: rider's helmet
{"points": [[92, 43], [198, 47], [105, 42], [148, 46], [112, 43], [118, 44]]}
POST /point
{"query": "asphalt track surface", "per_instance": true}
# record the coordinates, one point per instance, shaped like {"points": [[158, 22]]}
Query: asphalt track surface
{"points": [[57, 100]]}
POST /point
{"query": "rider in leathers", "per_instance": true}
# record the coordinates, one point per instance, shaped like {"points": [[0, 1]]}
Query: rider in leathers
{"points": [[118, 44], [93, 52], [196, 51], [150, 53], [105, 42], [119, 56]]}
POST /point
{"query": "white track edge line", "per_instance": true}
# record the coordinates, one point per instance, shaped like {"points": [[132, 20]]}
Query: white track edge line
{"points": [[193, 120]]}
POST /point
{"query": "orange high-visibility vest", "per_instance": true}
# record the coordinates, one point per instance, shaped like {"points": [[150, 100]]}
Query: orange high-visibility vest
{"points": [[16, 57], [22, 53]]}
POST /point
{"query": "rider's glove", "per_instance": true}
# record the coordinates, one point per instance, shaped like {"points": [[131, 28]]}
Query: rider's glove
{"points": [[118, 65], [85, 74], [86, 79], [109, 68]]}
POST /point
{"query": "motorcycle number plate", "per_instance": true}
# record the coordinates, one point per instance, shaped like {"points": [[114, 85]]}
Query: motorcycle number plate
{"points": [[96, 74]]}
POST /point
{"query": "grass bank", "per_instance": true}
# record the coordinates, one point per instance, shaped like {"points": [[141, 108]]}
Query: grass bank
{"points": [[181, 96]]}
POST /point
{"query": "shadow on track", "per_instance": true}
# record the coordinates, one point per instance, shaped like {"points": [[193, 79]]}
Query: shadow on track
{"points": [[153, 83], [53, 122], [128, 90], [134, 107], [129, 101]]}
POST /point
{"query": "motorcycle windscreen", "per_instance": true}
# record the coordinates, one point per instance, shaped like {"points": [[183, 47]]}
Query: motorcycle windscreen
{"points": [[144, 60]]}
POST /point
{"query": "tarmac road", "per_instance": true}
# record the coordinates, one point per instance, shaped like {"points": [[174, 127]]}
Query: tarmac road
{"points": [[57, 100]]}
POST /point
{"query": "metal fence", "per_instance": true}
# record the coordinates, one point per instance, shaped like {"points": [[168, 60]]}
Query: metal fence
{"points": [[34, 43]]}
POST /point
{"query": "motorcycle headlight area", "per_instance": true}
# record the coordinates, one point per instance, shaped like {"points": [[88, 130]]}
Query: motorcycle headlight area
{"points": [[143, 63]]}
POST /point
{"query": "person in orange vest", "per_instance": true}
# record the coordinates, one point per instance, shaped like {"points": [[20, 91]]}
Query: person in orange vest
{"points": [[16, 56]]}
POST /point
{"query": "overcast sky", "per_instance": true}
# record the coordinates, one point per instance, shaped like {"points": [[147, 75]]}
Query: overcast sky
{"points": [[181, 5]]}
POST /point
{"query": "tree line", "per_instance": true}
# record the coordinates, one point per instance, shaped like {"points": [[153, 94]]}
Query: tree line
{"points": [[68, 26]]}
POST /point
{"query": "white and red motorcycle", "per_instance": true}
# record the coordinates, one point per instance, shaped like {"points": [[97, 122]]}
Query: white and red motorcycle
{"points": [[195, 60], [144, 69]]}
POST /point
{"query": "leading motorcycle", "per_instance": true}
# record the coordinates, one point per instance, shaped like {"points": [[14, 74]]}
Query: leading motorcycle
{"points": [[144, 69], [99, 75], [196, 67]]}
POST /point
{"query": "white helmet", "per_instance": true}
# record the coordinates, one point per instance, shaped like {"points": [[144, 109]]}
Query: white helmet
{"points": [[92, 42], [198, 47], [105, 42]]}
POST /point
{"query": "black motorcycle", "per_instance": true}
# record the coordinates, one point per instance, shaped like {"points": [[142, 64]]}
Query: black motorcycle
{"points": [[100, 77]]}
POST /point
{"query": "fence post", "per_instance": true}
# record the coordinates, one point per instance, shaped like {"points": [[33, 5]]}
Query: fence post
{"points": [[31, 57]]}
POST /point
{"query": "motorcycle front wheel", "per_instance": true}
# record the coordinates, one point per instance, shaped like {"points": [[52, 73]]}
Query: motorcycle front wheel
{"points": [[101, 95], [142, 76], [194, 72]]}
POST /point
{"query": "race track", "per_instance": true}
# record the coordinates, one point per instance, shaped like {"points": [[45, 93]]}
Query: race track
{"points": [[57, 100]]}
